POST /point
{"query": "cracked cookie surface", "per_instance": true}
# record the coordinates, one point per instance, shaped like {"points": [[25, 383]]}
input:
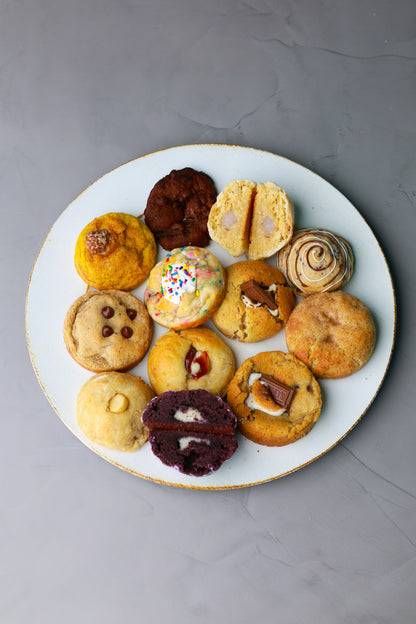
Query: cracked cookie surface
{"points": [[333, 333], [239, 318]]}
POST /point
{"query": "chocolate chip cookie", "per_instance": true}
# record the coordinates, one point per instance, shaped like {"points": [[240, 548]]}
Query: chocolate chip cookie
{"points": [[178, 207], [107, 330]]}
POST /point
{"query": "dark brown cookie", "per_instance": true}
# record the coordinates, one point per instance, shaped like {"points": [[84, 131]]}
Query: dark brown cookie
{"points": [[178, 207]]}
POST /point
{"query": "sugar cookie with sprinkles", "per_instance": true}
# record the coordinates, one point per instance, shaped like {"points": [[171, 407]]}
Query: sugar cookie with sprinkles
{"points": [[185, 288]]}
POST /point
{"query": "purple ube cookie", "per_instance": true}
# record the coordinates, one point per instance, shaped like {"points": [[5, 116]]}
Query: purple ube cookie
{"points": [[191, 430]]}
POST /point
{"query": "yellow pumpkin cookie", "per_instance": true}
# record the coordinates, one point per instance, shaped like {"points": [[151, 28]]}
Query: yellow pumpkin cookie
{"points": [[115, 250]]}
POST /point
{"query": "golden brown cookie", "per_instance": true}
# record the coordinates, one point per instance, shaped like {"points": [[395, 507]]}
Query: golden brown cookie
{"points": [[109, 410], [190, 359], [115, 250], [259, 417], [333, 333], [185, 288], [316, 260], [242, 317], [107, 330]]}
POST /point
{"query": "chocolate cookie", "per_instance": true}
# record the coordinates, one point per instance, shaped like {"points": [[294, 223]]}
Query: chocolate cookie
{"points": [[178, 207], [191, 430], [107, 330]]}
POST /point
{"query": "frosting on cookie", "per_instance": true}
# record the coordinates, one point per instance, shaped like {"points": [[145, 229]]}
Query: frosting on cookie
{"points": [[316, 260]]}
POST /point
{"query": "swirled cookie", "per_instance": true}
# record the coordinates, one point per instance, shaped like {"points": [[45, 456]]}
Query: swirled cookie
{"points": [[275, 397], [107, 330], [316, 260], [178, 206], [333, 333], [190, 359], [109, 410], [115, 250], [257, 302], [185, 288]]}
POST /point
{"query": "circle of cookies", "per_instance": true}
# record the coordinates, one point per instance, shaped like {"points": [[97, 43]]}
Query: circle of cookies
{"points": [[239, 316], [109, 410], [259, 417], [115, 250], [107, 330], [190, 359], [178, 207], [333, 333], [185, 288]]}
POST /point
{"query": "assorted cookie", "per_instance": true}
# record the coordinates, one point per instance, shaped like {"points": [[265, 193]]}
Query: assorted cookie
{"points": [[190, 359], [256, 219], [257, 302], [316, 260], [333, 333], [116, 251], [275, 397], [107, 330], [185, 288], [178, 207], [191, 430], [109, 410]]}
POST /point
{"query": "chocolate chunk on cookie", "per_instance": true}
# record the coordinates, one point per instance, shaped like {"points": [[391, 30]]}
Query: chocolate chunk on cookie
{"points": [[178, 207]]}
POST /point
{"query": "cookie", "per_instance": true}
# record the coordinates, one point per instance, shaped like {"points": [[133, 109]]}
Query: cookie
{"points": [[275, 397], [333, 333], [190, 359], [109, 410], [272, 221], [316, 260], [191, 430], [230, 217], [251, 218], [185, 288], [115, 251], [107, 330], [178, 206], [250, 315]]}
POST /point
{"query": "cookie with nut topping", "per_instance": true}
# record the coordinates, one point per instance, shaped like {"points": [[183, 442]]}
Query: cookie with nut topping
{"points": [[275, 397], [189, 359], [115, 250], [109, 410], [257, 302], [107, 330]]}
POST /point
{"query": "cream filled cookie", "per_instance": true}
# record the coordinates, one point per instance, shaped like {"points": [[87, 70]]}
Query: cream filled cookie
{"points": [[185, 288], [189, 359], [107, 330], [275, 397], [109, 410], [257, 302], [316, 260]]}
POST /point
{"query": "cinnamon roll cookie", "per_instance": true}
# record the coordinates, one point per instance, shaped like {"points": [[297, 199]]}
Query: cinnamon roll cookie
{"points": [[316, 260]]}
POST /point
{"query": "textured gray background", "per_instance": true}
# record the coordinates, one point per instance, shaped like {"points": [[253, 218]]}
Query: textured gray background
{"points": [[86, 85]]}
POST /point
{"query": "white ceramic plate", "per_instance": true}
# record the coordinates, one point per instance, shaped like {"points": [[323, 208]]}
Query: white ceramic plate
{"points": [[54, 285]]}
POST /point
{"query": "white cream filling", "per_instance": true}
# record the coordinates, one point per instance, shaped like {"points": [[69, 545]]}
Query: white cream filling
{"points": [[189, 415], [251, 402], [185, 441]]}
